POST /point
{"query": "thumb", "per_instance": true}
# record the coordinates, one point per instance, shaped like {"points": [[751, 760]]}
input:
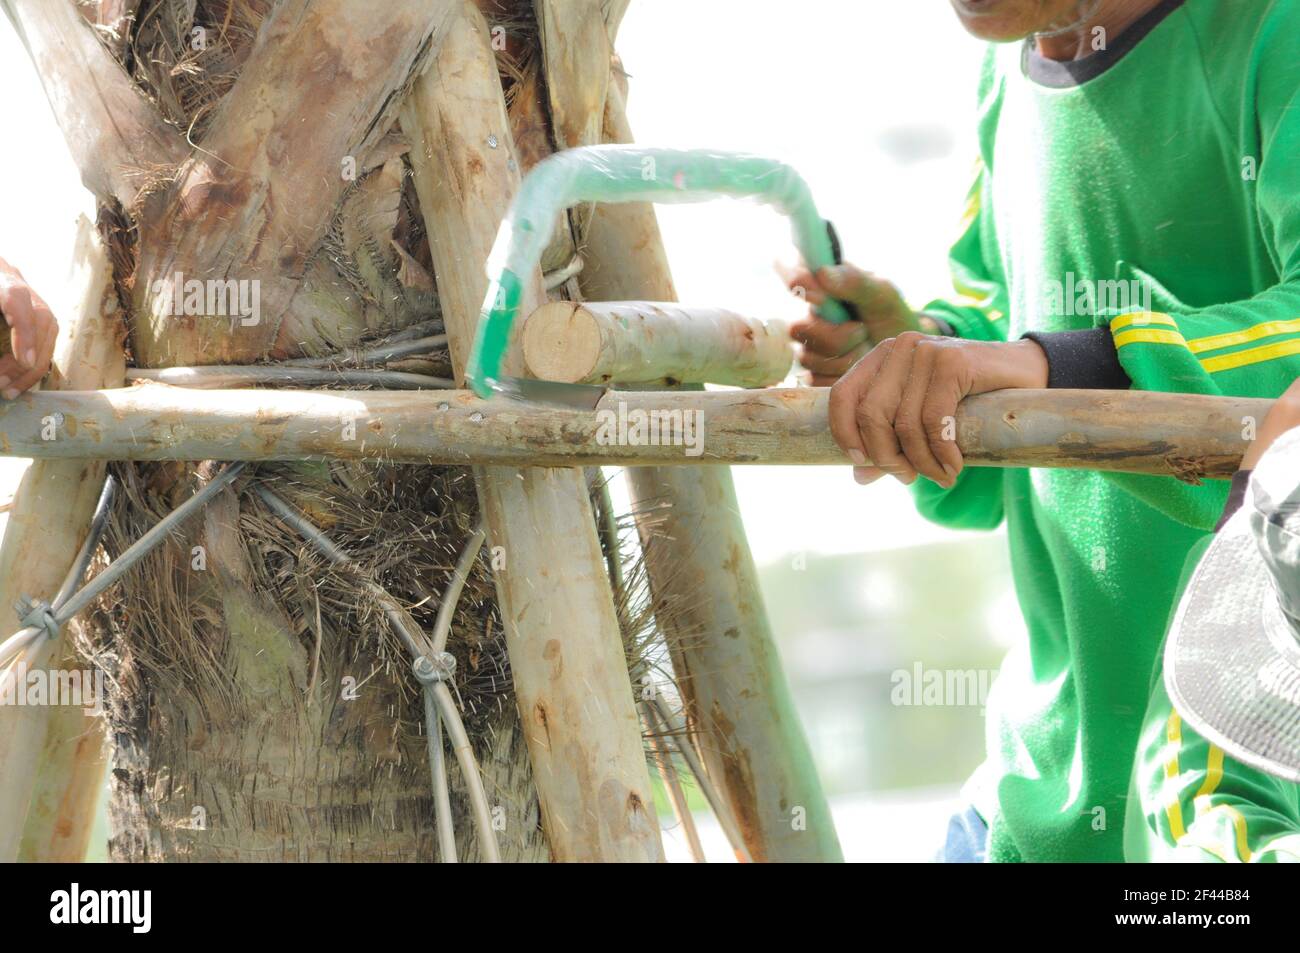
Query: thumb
{"points": [[842, 281]]}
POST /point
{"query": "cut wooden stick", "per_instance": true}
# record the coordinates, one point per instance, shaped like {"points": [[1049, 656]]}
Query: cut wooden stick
{"points": [[645, 342], [1183, 435]]}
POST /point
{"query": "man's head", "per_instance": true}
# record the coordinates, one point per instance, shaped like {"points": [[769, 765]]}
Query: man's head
{"points": [[1005, 20]]}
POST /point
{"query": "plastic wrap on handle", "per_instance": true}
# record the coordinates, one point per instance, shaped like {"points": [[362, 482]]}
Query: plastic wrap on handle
{"points": [[616, 173]]}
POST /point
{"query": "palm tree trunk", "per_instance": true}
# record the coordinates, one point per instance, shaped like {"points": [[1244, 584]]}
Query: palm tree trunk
{"points": [[259, 707]]}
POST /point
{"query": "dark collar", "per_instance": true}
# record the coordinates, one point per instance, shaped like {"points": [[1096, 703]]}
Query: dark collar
{"points": [[1063, 74]]}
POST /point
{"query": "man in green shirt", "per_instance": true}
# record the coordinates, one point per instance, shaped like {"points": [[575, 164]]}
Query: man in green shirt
{"points": [[1135, 221]]}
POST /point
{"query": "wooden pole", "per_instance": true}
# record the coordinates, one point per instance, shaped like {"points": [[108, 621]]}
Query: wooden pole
{"points": [[726, 661], [650, 342], [566, 651], [750, 726], [52, 756], [121, 143], [1188, 436]]}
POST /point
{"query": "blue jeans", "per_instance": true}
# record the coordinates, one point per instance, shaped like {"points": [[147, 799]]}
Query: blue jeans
{"points": [[967, 840]]}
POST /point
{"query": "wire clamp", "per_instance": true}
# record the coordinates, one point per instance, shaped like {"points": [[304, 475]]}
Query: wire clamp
{"points": [[38, 614], [429, 670]]}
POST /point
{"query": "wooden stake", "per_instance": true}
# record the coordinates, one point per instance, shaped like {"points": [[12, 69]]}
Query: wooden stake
{"points": [[1182, 435], [566, 652], [726, 661], [53, 756], [117, 138], [648, 342]]}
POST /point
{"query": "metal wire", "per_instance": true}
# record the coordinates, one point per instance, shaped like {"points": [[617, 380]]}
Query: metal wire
{"points": [[412, 638], [447, 608], [391, 350], [553, 279], [438, 771], [67, 603], [435, 688], [470, 772], [142, 546]]}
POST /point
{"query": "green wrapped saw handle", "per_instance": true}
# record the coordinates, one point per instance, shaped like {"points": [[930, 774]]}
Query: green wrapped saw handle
{"points": [[619, 173]]}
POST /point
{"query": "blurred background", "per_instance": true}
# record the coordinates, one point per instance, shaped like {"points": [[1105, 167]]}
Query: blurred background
{"points": [[873, 102]]}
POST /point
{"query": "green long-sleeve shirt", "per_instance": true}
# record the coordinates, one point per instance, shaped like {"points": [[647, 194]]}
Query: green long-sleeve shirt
{"points": [[1171, 159]]}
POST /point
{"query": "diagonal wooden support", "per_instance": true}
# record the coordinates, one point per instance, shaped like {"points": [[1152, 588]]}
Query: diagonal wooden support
{"points": [[566, 651], [118, 140], [52, 756], [726, 660]]}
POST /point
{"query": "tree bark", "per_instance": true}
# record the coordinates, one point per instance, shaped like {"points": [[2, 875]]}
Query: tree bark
{"points": [[320, 86], [228, 645]]}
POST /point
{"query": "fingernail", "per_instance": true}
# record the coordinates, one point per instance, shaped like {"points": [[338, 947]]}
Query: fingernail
{"points": [[858, 457], [862, 476], [10, 394], [952, 474], [4, 381], [30, 357]]}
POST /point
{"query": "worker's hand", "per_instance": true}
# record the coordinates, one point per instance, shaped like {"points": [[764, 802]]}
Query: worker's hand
{"points": [[897, 406], [831, 349], [32, 330], [1281, 417]]}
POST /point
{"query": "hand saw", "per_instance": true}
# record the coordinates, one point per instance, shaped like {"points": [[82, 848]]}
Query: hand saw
{"points": [[622, 173]]}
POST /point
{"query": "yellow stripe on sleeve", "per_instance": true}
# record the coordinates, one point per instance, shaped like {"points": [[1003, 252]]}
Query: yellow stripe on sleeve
{"points": [[1252, 355], [1138, 331], [1206, 809], [1148, 336], [1269, 328], [1141, 319], [1213, 774]]}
